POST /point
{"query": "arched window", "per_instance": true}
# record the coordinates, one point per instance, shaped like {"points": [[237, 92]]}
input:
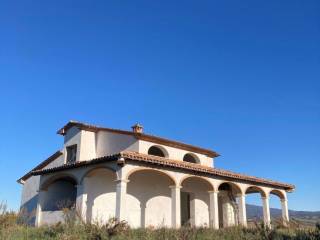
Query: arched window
{"points": [[190, 158], [157, 151]]}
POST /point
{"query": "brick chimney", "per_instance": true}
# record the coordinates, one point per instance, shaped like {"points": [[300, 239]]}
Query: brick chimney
{"points": [[137, 128]]}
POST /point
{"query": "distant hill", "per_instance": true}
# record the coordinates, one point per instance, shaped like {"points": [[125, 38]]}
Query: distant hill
{"points": [[256, 213]]}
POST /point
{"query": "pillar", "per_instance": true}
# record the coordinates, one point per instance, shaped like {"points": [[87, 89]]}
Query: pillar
{"points": [[41, 195], [242, 210], [81, 203], [266, 211], [213, 210], [175, 206], [121, 199], [285, 211]]}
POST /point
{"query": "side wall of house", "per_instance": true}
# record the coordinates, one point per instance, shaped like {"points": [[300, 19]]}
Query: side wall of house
{"points": [[29, 198]]}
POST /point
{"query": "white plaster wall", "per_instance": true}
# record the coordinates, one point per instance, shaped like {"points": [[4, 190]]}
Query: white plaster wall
{"points": [[175, 153], [100, 188], [88, 145], [109, 143], [148, 200]]}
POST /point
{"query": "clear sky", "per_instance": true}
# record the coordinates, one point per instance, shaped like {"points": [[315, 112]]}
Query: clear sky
{"points": [[239, 77]]}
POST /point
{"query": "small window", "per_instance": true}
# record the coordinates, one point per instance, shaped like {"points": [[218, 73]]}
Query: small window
{"points": [[156, 151], [190, 158], [71, 154]]}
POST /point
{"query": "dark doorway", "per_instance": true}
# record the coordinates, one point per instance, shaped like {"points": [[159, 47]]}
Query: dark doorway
{"points": [[185, 208]]}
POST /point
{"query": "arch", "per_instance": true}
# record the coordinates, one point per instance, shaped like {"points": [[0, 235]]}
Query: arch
{"points": [[157, 150], [149, 195], [278, 193], [227, 203], [195, 200], [138, 169], [230, 186], [92, 170], [190, 157], [59, 192], [255, 189], [99, 186], [198, 177], [65, 176]]}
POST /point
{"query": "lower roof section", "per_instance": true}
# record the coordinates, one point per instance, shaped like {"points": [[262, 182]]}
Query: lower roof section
{"points": [[123, 157]]}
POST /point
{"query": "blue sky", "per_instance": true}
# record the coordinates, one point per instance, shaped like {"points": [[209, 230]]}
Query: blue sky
{"points": [[240, 77]]}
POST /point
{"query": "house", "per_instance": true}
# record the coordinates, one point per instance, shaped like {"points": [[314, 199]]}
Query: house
{"points": [[143, 179]]}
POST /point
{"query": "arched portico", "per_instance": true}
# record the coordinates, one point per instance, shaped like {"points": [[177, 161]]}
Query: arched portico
{"points": [[227, 204], [149, 197], [157, 196], [99, 188], [55, 194], [195, 200], [263, 194], [281, 194]]}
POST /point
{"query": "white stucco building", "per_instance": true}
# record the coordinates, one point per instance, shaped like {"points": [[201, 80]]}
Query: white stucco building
{"points": [[142, 179]]}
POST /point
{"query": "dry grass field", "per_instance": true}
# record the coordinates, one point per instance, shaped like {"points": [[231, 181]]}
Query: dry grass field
{"points": [[12, 227]]}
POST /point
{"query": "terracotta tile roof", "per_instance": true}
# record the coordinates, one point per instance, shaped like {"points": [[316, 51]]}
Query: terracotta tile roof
{"points": [[164, 162], [140, 136], [40, 166]]}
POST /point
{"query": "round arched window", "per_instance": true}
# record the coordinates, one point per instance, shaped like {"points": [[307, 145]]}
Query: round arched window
{"points": [[190, 158], [156, 151]]}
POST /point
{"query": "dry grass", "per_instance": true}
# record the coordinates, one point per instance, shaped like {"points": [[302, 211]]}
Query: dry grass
{"points": [[12, 227]]}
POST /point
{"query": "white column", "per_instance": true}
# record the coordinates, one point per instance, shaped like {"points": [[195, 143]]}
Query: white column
{"points": [[121, 199], [285, 211], [175, 206], [81, 203], [266, 211], [242, 210], [213, 209], [41, 196]]}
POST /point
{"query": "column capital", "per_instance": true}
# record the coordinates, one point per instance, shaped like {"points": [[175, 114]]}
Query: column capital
{"points": [[284, 200], [175, 186]]}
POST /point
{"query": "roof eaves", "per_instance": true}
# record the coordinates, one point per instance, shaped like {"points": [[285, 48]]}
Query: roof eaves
{"points": [[40, 166], [133, 156]]}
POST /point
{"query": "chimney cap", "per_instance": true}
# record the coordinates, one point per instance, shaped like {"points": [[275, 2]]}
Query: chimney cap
{"points": [[137, 128]]}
